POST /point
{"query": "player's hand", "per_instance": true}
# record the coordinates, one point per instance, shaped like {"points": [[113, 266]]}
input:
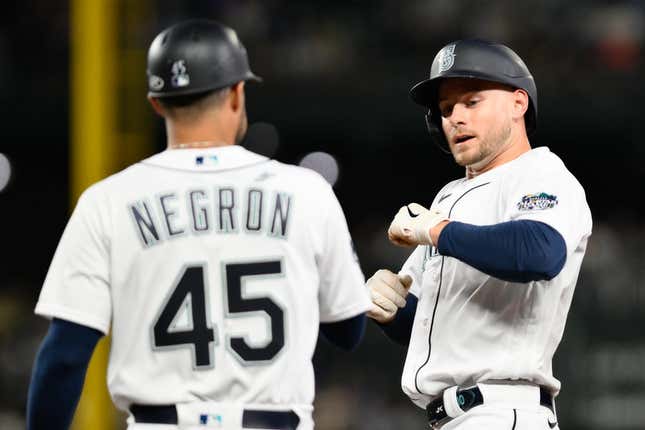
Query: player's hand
{"points": [[388, 292], [411, 225]]}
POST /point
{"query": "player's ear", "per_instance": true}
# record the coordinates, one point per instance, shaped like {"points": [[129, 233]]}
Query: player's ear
{"points": [[520, 103], [157, 106], [236, 97]]}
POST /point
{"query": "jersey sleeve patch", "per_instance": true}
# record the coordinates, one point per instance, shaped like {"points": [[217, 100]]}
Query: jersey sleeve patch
{"points": [[537, 202]]}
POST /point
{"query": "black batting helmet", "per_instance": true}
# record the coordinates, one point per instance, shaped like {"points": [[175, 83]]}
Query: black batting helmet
{"points": [[477, 59], [196, 56]]}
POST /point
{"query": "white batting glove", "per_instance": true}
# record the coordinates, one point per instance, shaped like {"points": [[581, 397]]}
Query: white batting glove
{"points": [[388, 292], [411, 225]]}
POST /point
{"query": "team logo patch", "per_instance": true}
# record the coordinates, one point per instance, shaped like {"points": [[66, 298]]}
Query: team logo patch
{"points": [[211, 420], [155, 83], [446, 58], [180, 77], [539, 201], [200, 160]]}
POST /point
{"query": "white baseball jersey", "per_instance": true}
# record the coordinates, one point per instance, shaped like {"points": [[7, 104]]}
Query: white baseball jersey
{"points": [[470, 327], [212, 269]]}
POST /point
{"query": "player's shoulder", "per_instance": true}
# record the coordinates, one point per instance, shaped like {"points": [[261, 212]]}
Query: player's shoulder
{"points": [[296, 176], [94, 199], [304, 173], [548, 161], [132, 174], [539, 159], [113, 181], [541, 164], [113, 184]]}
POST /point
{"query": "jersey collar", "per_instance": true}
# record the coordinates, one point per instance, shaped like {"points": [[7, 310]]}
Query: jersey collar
{"points": [[532, 154], [205, 159]]}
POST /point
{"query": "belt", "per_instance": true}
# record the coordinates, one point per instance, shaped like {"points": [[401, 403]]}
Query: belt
{"points": [[468, 398], [251, 418]]}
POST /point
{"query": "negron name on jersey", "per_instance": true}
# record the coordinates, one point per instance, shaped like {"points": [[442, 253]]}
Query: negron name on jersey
{"points": [[219, 210]]}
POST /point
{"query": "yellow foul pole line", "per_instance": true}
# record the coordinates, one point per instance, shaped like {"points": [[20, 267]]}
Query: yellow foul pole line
{"points": [[93, 44]]}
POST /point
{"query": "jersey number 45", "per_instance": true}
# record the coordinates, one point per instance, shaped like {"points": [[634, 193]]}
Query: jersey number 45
{"points": [[189, 293]]}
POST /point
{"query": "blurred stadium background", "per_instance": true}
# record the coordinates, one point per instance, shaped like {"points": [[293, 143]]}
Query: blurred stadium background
{"points": [[73, 109]]}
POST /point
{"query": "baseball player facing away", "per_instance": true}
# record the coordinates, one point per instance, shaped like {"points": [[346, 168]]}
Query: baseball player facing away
{"points": [[212, 267], [483, 298]]}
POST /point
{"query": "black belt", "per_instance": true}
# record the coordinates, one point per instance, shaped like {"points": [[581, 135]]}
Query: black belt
{"points": [[468, 398], [251, 418]]}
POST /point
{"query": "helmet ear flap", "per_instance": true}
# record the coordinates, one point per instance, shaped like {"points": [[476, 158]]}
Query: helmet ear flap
{"points": [[436, 134]]}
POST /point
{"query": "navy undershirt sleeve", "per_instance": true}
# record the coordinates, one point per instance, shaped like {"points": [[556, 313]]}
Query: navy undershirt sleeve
{"points": [[400, 328], [346, 334], [58, 374], [515, 251]]}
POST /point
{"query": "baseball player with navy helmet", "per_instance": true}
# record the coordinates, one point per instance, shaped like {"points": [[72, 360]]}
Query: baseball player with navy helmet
{"points": [[482, 300], [212, 267]]}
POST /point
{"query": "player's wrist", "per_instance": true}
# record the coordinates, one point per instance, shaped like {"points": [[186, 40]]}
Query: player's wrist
{"points": [[435, 232]]}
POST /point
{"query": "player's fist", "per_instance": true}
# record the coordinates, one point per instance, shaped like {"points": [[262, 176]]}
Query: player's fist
{"points": [[411, 225], [388, 292]]}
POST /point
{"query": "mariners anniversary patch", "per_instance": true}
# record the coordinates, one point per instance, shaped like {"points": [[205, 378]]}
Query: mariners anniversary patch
{"points": [[539, 201]]}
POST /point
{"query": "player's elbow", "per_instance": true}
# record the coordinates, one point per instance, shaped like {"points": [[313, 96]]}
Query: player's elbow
{"points": [[545, 252], [346, 334], [69, 345], [552, 259], [556, 268]]}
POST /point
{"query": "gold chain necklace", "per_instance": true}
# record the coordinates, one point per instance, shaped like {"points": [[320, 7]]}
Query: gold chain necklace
{"points": [[198, 144]]}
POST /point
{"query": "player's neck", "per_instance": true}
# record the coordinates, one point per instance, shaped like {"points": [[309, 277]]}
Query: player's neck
{"points": [[203, 134]]}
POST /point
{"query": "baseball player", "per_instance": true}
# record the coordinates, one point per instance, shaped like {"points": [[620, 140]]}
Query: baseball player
{"points": [[483, 298], [211, 266]]}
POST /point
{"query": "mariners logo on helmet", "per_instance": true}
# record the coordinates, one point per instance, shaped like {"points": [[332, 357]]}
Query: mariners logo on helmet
{"points": [[179, 76], [155, 83], [446, 58]]}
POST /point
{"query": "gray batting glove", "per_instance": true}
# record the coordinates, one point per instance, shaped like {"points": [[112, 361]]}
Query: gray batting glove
{"points": [[411, 225], [388, 292]]}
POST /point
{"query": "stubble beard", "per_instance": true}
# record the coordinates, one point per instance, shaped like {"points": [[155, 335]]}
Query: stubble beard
{"points": [[489, 147]]}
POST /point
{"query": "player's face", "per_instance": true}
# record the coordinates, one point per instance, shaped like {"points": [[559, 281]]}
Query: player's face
{"points": [[476, 120]]}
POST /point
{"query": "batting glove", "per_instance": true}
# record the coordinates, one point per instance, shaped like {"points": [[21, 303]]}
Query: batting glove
{"points": [[388, 292], [411, 225]]}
